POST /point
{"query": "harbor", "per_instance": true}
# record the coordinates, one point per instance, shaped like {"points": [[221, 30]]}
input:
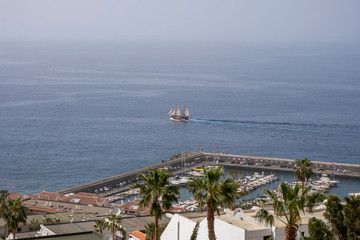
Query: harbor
{"points": [[186, 162]]}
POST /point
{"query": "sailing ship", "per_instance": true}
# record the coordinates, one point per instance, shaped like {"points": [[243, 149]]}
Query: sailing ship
{"points": [[175, 114]]}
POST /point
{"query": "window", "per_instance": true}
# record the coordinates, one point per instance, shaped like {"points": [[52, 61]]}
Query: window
{"points": [[267, 237]]}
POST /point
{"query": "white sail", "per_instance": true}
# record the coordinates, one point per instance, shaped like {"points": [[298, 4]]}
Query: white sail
{"points": [[178, 115], [177, 111], [171, 112], [186, 112]]}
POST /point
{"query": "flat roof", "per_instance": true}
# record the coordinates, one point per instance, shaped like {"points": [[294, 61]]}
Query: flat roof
{"points": [[241, 223], [75, 227], [72, 236]]}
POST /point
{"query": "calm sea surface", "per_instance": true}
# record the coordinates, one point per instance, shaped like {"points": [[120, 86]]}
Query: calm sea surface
{"points": [[71, 113]]}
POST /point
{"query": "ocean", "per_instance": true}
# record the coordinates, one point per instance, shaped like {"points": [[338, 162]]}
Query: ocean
{"points": [[76, 112]]}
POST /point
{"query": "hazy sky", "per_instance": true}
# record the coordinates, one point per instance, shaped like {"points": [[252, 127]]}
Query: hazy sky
{"points": [[181, 20]]}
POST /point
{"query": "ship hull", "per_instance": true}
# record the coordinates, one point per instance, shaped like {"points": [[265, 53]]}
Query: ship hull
{"points": [[175, 118]]}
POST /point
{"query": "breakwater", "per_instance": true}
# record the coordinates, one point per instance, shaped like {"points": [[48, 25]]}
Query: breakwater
{"points": [[115, 184], [281, 164], [185, 161]]}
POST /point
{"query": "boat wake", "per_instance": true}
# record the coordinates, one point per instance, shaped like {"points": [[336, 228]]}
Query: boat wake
{"points": [[270, 124]]}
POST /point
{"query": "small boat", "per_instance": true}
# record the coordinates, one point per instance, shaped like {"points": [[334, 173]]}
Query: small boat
{"points": [[325, 178], [179, 180], [176, 115]]}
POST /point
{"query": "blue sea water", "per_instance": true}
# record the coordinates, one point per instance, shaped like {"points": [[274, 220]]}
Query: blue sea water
{"points": [[71, 113]]}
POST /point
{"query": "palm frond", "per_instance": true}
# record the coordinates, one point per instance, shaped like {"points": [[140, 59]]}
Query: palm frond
{"points": [[263, 216]]}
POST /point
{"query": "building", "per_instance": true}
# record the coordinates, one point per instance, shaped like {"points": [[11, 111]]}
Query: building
{"points": [[235, 225], [132, 207], [68, 236], [78, 198]]}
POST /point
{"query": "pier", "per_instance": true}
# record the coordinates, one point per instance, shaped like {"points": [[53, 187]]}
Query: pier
{"points": [[183, 162]]}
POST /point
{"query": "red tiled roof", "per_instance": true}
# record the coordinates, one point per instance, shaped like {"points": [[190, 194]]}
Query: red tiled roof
{"points": [[47, 210], [130, 203], [129, 207], [87, 194], [15, 195], [85, 198], [80, 198], [138, 235], [50, 196]]}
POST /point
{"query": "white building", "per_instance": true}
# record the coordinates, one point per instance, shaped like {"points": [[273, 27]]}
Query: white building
{"points": [[234, 225]]}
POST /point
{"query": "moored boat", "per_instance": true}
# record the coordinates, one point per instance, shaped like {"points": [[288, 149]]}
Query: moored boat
{"points": [[179, 180]]}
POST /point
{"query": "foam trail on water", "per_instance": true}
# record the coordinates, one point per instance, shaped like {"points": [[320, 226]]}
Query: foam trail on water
{"points": [[281, 125]]}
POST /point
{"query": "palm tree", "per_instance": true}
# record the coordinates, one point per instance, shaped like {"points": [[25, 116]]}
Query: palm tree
{"points": [[287, 208], [13, 213], [209, 190], [155, 186], [3, 195], [100, 225], [113, 224], [150, 231], [34, 225], [335, 216], [318, 230], [303, 171], [230, 193], [50, 220], [195, 231], [3, 198]]}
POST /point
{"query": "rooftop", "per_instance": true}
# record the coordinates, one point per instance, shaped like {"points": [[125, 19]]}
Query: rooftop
{"points": [[241, 223], [71, 236], [138, 234], [74, 227]]}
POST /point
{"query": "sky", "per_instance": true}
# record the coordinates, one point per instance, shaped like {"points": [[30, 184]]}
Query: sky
{"points": [[180, 20]]}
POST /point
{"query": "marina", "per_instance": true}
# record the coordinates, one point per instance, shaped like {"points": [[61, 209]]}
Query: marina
{"points": [[191, 163]]}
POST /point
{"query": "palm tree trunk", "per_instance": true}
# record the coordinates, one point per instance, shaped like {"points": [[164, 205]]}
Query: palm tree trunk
{"points": [[210, 220], [290, 233], [302, 185], [232, 206], [156, 229], [14, 231]]}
